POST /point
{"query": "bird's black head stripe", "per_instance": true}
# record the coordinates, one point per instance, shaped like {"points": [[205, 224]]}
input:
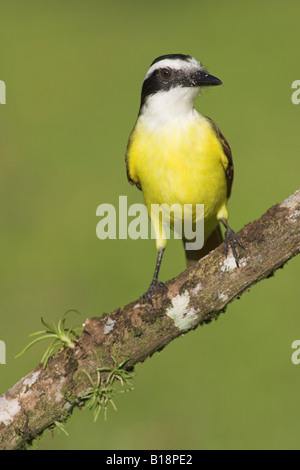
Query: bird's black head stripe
{"points": [[171, 56]]}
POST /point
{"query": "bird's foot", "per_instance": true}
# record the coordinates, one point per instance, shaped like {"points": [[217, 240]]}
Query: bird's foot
{"points": [[231, 240], [154, 286]]}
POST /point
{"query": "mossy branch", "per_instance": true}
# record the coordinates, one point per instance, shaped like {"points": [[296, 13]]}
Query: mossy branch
{"points": [[130, 334]]}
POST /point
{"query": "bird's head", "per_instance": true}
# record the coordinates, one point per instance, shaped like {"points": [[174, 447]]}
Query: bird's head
{"points": [[172, 84]]}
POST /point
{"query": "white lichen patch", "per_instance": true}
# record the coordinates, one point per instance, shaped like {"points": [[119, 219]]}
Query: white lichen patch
{"points": [[183, 316], [58, 396], [292, 203], [137, 306], [259, 258], [196, 289], [67, 406], [8, 409], [109, 325], [223, 296], [243, 263], [229, 264], [31, 379], [295, 215]]}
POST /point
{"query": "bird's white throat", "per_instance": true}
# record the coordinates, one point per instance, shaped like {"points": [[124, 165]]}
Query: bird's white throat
{"points": [[176, 104]]}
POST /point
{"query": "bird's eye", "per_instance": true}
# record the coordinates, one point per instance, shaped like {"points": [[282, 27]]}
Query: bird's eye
{"points": [[165, 73]]}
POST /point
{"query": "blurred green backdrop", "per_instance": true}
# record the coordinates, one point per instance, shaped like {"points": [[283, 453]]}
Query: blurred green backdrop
{"points": [[73, 72]]}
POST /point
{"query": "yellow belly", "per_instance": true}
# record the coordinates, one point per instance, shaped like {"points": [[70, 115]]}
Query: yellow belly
{"points": [[180, 164]]}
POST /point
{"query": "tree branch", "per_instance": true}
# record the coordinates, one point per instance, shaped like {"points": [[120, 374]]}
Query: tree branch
{"points": [[136, 331]]}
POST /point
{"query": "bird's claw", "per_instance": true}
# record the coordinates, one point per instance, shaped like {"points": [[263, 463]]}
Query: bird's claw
{"points": [[147, 296], [231, 240]]}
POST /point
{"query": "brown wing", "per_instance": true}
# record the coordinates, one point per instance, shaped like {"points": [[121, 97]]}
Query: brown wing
{"points": [[227, 151], [127, 167]]}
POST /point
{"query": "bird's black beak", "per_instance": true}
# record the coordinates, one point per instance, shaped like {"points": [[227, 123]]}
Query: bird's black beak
{"points": [[202, 78]]}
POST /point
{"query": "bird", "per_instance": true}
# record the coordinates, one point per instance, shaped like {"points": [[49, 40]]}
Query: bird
{"points": [[175, 155]]}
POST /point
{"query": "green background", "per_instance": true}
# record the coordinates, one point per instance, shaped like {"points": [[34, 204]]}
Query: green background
{"points": [[73, 72]]}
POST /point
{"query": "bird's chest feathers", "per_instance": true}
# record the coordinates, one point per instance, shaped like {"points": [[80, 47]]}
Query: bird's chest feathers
{"points": [[180, 162]]}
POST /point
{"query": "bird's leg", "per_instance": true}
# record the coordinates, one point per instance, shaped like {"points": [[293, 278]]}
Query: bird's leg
{"points": [[231, 239], [155, 283]]}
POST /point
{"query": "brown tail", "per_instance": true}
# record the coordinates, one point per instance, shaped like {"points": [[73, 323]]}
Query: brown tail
{"points": [[214, 240]]}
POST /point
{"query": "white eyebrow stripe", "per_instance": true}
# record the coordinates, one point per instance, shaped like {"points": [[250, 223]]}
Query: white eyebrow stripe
{"points": [[177, 64]]}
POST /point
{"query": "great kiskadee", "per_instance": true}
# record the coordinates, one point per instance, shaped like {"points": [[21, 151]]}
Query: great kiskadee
{"points": [[177, 156]]}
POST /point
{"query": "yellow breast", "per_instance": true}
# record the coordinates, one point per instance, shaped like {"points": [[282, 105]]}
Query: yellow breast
{"points": [[179, 164]]}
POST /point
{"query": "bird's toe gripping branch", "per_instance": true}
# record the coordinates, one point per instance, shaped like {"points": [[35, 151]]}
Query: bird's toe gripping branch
{"points": [[155, 283], [231, 241], [154, 286]]}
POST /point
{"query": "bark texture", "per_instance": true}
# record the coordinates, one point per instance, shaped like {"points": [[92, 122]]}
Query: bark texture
{"points": [[136, 331]]}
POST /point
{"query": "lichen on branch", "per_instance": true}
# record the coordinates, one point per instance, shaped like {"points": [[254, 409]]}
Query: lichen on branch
{"points": [[130, 334]]}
